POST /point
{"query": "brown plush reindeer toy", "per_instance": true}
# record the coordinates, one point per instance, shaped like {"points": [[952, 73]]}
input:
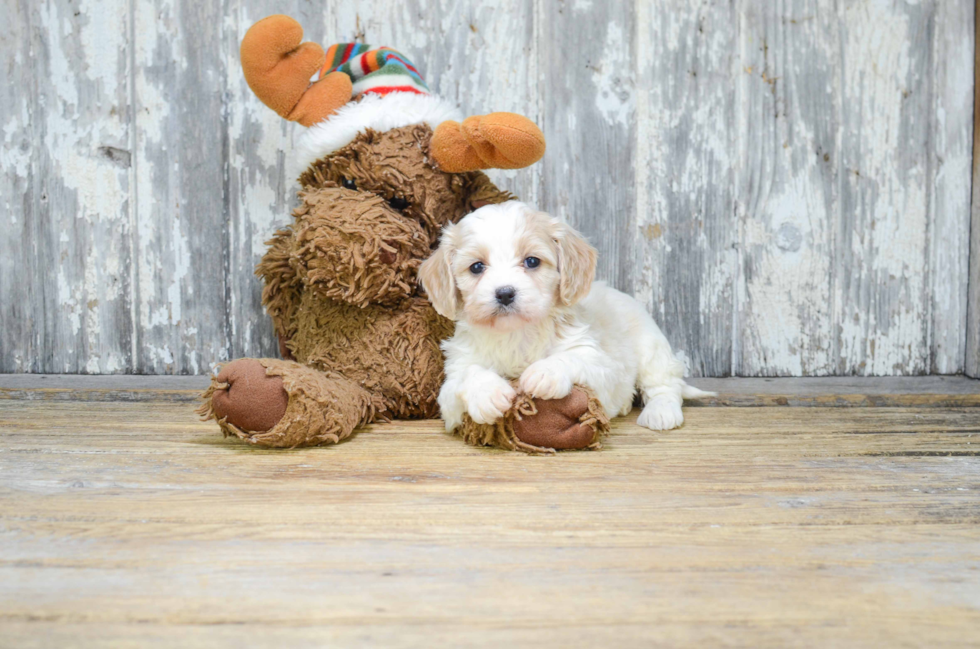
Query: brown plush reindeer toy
{"points": [[387, 165]]}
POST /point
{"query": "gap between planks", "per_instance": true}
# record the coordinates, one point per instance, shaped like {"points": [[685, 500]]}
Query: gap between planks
{"points": [[920, 391]]}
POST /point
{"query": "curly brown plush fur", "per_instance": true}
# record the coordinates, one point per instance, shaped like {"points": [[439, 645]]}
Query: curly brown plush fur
{"points": [[392, 352], [356, 249], [341, 288], [395, 164]]}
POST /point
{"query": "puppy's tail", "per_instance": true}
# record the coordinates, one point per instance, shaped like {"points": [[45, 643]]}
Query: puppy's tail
{"points": [[691, 392]]}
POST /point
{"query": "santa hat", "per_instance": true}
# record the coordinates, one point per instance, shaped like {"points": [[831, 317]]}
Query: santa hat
{"points": [[387, 93], [379, 71]]}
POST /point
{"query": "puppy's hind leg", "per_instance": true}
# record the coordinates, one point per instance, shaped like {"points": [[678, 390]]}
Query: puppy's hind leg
{"points": [[660, 380]]}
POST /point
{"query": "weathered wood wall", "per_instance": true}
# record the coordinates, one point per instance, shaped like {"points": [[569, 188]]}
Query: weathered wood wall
{"points": [[973, 312], [785, 183]]}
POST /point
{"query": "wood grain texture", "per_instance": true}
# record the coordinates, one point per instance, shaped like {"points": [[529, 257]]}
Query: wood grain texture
{"points": [[892, 391], [181, 158], [136, 525], [973, 315], [685, 172], [784, 184], [18, 339], [892, 196], [950, 166], [587, 79], [789, 121], [66, 188]]}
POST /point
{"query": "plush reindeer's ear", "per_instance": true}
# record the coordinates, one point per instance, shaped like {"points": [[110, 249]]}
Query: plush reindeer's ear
{"points": [[576, 265], [436, 276], [278, 68], [497, 140]]}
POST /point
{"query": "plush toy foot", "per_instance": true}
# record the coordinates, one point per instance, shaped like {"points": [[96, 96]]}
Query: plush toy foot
{"points": [[557, 423], [282, 404], [251, 401], [543, 426]]}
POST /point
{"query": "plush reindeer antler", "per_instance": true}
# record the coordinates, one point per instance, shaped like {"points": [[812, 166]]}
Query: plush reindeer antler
{"points": [[497, 140], [278, 67]]}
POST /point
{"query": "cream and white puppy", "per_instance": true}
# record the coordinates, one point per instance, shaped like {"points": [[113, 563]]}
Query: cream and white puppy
{"points": [[518, 283]]}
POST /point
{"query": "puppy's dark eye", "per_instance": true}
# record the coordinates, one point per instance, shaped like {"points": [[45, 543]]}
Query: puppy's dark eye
{"points": [[532, 262], [349, 183], [478, 267], [398, 203]]}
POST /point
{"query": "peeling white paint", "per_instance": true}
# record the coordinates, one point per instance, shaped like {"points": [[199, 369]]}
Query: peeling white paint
{"points": [[15, 159], [891, 228], [786, 295], [740, 232], [86, 192], [951, 187], [650, 207], [613, 79]]}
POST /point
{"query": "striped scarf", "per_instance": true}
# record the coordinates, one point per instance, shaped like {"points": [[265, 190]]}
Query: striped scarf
{"points": [[379, 71]]}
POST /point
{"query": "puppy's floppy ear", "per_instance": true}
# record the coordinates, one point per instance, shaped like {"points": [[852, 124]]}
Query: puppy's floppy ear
{"points": [[576, 264], [436, 276]]}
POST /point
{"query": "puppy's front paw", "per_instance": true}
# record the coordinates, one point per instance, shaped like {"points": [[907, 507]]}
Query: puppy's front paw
{"points": [[545, 380], [487, 399], [661, 413]]}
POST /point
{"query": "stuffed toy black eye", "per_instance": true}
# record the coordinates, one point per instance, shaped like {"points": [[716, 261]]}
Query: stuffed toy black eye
{"points": [[349, 183], [477, 267], [398, 203], [532, 262]]}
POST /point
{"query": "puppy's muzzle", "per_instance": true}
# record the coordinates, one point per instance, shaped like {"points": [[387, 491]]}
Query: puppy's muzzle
{"points": [[505, 295]]}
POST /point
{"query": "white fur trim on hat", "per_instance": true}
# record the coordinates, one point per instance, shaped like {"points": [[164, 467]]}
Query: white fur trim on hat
{"points": [[378, 112]]}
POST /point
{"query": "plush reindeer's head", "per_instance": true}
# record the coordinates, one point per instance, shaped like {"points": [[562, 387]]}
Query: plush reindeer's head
{"points": [[372, 211], [386, 163]]}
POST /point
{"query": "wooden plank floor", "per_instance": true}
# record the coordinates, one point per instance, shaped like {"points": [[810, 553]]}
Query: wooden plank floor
{"points": [[129, 523]]}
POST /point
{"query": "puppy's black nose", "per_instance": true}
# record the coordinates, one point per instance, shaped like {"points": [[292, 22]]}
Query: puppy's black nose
{"points": [[506, 294]]}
